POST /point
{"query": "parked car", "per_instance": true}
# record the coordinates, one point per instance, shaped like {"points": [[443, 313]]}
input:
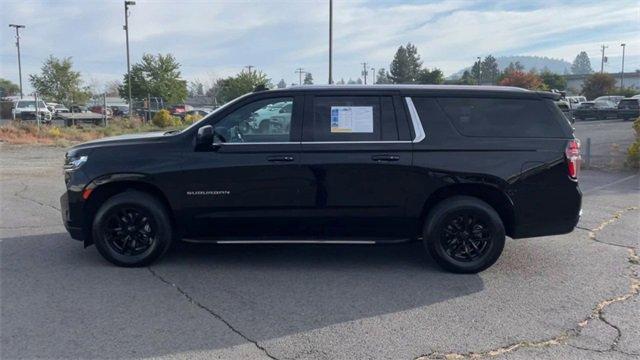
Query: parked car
{"points": [[615, 99], [120, 110], [78, 108], [99, 109], [26, 110], [629, 109], [179, 110], [596, 110], [199, 112], [575, 101], [455, 167]]}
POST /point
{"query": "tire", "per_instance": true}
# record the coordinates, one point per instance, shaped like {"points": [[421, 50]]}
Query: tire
{"points": [[132, 229], [443, 226]]}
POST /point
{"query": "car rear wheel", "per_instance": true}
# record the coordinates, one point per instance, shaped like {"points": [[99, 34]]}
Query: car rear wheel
{"points": [[464, 234], [132, 229]]}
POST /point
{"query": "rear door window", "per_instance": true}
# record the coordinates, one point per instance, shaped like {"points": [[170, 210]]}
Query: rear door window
{"points": [[354, 118], [501, 117]]}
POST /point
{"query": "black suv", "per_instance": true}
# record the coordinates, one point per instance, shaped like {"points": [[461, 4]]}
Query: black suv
{"points": [[456, 167]]}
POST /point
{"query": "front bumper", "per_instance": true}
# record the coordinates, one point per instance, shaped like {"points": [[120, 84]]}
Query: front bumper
{"points": [[75, 230]]}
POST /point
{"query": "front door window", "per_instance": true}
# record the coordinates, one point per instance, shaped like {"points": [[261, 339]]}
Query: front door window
{"points": [[266, 120]]}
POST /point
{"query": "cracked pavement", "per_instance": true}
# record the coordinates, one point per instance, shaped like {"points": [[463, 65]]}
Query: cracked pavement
{"points": [[573, 296]]}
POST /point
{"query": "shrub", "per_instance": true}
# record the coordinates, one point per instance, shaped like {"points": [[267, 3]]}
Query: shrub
{"points": [[633, 153], [163, 119], [55, 132], [190, 119]]}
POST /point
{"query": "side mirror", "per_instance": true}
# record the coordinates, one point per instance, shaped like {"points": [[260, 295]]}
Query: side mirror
{"points": [[204, 139]]}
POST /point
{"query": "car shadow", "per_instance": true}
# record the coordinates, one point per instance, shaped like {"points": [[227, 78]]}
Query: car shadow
{"points": [[263, 291]]}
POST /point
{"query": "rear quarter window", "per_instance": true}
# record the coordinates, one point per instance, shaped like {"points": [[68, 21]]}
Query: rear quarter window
{"points": [[502, 117]]}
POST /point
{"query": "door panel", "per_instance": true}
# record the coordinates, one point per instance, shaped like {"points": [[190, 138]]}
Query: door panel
{"points": [[249, 184], [356, 183]]}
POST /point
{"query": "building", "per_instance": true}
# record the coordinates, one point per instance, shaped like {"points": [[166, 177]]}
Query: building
{"points": [[574, 82]]}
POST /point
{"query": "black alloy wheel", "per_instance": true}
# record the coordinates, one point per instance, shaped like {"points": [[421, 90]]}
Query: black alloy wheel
{"points": [[129, 230], [132, 228], [464, 234]]}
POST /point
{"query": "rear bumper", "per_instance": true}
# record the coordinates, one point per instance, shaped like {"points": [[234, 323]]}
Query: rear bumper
{"points": [[546, 229]]}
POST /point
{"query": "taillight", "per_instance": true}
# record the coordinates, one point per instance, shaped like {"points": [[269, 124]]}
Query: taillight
{"points": [[572, 152]]}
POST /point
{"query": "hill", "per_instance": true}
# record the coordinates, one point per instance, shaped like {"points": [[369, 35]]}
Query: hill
{"points": [[557, 66]]}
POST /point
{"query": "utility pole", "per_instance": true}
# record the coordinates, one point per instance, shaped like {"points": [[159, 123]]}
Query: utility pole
{"points": [[126, 30], [249, 67], [365, 72], [373, 76], [622, 72], [479, 74], [300, 71], [330, 41], [18, 27], [603, 59]]}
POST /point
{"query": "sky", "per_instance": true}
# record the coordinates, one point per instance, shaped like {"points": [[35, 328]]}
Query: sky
{"points": [[213, 39]]}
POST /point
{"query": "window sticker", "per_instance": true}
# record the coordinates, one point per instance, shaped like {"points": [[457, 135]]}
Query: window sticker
{"points": [[352, 119]]}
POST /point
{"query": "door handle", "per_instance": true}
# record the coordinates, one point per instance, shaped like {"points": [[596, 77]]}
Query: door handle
{"points": [[385, 158], [285, 158]]}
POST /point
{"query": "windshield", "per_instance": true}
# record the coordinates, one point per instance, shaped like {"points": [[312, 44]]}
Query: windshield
{"points": [[30, 104]]}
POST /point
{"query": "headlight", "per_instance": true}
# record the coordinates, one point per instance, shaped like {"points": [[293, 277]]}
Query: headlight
{"points": [[74, 162]]}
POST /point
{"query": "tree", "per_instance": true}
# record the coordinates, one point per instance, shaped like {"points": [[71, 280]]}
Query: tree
{"points": [[434, 76], [244, 82], [58, 82], [475, 70], [196, 88], [523, 79], [359, 81], [467, 78], [513, 67], [581, 64], [282, 84], [383, 77], [405, 65], [156, 76], [308, 79], [490, 69], [111, 88], [597, 85], [553, 81], [350, 81], [7, 88], [341, 82]]}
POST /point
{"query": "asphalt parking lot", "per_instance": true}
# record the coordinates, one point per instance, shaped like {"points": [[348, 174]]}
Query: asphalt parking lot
{"points": [[573, 296]]}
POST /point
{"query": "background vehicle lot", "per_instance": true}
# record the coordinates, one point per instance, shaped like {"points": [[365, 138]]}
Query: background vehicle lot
{"points": [[59, 300]]}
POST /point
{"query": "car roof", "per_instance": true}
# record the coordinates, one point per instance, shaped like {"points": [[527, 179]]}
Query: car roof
{"points": [[415, 89]]}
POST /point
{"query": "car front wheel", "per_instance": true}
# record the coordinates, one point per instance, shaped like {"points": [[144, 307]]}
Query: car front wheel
{"points": [[464, 234], [132, 229]]}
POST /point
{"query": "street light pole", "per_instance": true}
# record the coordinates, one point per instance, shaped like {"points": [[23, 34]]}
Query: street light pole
{"points": [[622, 72], [126, 30], [373, 76], [18, 27], [330, 41], [300, 71]]}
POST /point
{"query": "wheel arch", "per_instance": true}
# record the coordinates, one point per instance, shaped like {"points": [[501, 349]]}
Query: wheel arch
{"points": [[493, 196], [104, 188]]}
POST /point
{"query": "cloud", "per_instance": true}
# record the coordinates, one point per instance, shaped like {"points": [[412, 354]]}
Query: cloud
{"points": [[278, 36]]}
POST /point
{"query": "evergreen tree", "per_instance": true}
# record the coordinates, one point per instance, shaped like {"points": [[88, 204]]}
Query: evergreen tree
{"points": [[490, 69], [308, 79], [282, 84], [581, 64], [405, 65], [383, 77]]}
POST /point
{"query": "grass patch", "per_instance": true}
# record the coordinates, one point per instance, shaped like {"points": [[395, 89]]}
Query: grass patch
{"points": [[27, 133]]}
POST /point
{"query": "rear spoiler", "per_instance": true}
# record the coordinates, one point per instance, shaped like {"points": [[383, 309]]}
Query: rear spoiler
{"points": [[549, 95]]}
